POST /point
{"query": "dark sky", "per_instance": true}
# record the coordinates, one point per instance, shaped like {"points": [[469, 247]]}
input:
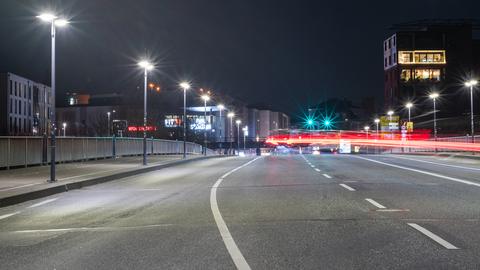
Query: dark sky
{"points": [[284, 53]]}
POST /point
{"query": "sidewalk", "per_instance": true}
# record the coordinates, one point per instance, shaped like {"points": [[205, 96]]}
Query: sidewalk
{"points": [[18, 185]]}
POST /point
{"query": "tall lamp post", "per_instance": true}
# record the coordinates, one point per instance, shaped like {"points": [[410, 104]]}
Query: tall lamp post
{"points": [[64, 125], [377, 121], [245, 134], [471, 84], [220, 122], [185, 86], [108, 124], [238, 122], [54, 22], [434, 96], [205, 99], [390, 113], [146, 67], [231, 115], [409, 106], [366, 128]]}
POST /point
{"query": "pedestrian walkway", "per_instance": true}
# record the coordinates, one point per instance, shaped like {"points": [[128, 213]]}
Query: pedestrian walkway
{"points": [[31, 179]]}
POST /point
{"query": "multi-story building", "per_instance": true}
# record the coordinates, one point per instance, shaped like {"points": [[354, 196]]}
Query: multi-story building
{"points": [[25, 106], [430, 55]]}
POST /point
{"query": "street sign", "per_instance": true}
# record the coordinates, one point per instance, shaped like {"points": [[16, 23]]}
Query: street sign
{"points": [[409, 127], [345, 147]]}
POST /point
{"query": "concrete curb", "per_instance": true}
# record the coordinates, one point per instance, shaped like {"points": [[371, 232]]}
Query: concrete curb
{"points": [[32, 195]]}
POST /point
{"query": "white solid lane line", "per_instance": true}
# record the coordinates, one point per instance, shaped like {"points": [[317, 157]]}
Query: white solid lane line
{"points": [[432, 236], [436, 163], [230, 244], [423, 172], [326, 175], [8, 215], [311, 165], [43, 202], [318, 170], [347, 187], [376, 204]]}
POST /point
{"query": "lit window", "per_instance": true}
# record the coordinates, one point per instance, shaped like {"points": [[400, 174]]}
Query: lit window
{"points": [[421, 57], [406, 75], [427, 74]]}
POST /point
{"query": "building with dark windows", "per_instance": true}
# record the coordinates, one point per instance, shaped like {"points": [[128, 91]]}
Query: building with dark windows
{"points": [[25, 106], [431, 55]]}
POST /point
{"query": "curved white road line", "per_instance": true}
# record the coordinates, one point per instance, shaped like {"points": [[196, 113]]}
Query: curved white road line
{"points": [[230, 244]]}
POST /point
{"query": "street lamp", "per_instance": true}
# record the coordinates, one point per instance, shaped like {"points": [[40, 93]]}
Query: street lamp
{"points": [[377, 121], [205, 99], [245, 134], [238, 122], [108, 124], [366, 128], [434, 96], [54, 22], [231, 115], [390, 113], [409, 106], [471, 84], [64, 128], [146, 67], [220, 107], [185, 86]]}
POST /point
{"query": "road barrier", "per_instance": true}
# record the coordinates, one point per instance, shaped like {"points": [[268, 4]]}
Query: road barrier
{"points": [[28, 150]]}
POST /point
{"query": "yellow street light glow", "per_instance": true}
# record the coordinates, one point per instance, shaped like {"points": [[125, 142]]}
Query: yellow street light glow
{"points": [[206, 97], [146, 65], [185, 85], [433, 95]]}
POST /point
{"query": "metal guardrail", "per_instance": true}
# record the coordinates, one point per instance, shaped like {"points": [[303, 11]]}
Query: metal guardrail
{"points": [[26, 151]]}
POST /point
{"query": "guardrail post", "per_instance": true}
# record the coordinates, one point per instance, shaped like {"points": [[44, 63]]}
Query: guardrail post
{"points": [[26, 152], [114, 150], [8, 153], [152, 146], [44, 149]]}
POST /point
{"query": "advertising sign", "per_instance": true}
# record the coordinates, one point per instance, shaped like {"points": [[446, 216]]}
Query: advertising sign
{"points": [[389, 123]]}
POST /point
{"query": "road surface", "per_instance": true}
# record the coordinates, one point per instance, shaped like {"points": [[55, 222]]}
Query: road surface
{"points": [[274, 212]]}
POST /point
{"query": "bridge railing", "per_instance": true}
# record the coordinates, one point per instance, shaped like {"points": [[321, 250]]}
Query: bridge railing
{"points": [[26, 151]]}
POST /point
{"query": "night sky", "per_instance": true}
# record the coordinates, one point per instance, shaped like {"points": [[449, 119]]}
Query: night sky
{"points": [[288, 54]]}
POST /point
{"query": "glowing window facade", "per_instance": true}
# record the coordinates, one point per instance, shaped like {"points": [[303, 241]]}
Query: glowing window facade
{"points": [[420, 74], [422, 57]]}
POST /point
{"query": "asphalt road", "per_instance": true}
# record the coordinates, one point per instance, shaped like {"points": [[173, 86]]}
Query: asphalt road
{"points": [[275, 212]]}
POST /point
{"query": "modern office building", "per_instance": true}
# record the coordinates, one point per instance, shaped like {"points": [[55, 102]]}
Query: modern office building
{"points": [[25, 106], [430, 55]]}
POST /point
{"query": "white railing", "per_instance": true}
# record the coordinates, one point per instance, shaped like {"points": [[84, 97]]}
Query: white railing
{"points": [[26, 151]]}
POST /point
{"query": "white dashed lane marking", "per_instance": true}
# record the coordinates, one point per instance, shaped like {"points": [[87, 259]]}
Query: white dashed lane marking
{"points": [[432, 236], [376, 204], [347, 187]]}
